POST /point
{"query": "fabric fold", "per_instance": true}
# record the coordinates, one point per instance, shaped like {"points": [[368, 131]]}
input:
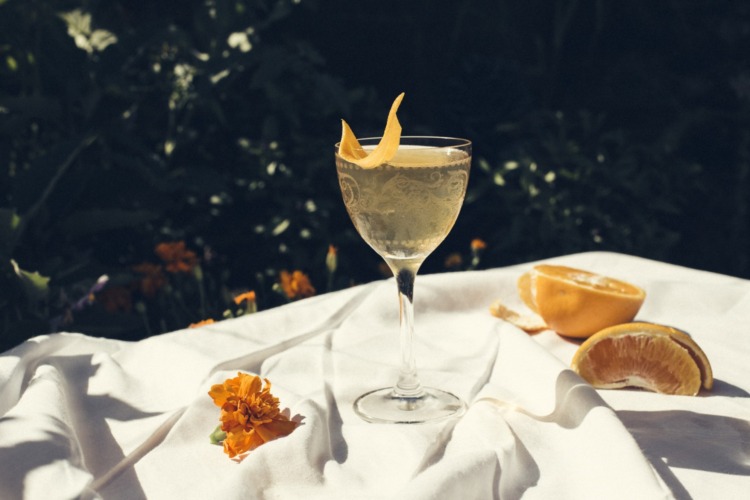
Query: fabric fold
{"points": [[112, 419]]}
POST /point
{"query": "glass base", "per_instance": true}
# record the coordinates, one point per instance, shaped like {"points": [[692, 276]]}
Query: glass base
{"points": [[384, 407]]}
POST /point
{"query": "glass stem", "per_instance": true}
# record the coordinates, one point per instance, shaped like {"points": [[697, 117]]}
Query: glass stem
{"points": [[408, 385]]}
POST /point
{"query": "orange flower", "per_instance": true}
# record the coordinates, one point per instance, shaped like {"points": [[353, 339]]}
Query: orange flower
{"points": [[251, 306], [177, 258], [153, 278], [453, 261], [296, 285], [249, 413], [247, 296], [477, 244], [202, 323]]}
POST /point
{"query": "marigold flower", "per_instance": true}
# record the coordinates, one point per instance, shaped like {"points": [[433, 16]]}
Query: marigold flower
{"points": [[296, 285], [153, 278], [204, 322], [477, 244], [177, 258], [250, 414]]}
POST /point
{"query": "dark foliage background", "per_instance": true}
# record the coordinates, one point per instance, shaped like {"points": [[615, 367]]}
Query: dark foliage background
{"points": [[597, 126]]}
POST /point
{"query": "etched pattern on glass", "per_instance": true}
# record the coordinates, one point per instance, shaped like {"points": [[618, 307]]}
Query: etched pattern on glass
{"points": [[403, 211]]}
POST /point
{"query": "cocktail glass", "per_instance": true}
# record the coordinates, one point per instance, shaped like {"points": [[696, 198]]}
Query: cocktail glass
{"points": [[404, 209]]}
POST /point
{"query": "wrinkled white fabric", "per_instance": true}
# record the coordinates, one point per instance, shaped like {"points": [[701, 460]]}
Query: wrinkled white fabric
{"points": [[96, 418]]}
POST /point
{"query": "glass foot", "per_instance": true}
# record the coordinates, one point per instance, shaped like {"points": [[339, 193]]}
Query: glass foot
{"points": [[384, 407]]}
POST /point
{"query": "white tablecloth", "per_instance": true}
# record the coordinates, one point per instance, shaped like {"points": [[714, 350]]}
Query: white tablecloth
{"points": [[96, 418]]}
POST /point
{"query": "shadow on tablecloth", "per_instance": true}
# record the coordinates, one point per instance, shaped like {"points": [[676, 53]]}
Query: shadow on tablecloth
{"points": [[690, 440]]}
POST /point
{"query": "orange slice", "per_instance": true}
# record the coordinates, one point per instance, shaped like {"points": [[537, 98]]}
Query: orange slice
{"points": [[351, 151], [655, 357], [578, 303]]}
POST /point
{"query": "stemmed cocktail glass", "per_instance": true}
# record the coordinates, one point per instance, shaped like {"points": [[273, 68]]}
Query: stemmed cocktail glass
{"points": [[404, 209]]}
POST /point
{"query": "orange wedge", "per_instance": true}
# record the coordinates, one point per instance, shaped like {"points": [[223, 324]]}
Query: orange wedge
{"points": [[351, 151], [578, 303], [655, 357]]}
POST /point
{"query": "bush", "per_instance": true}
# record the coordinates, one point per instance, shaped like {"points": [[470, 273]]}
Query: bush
{"points": [[130, 126], [161, 159]]}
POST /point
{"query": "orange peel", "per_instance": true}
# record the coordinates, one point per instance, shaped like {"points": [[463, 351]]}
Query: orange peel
{"points": [[529, 323], [349, 147], [351, 150]]}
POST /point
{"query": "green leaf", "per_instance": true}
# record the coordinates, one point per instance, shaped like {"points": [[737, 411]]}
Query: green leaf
{"points": [[35, 286], [217, 436]]}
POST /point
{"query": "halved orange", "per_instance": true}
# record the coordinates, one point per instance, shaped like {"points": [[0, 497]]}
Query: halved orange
{"points": [[524, 291], [655, 357], [578, 303]]}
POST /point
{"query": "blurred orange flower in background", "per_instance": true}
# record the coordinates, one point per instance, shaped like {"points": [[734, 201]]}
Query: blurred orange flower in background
{"points": [[177, 258], [153, 278], [247, 296], [250, 414], [296, 285], [477, 244], [199, 324], [249, 300], [454, 261]]}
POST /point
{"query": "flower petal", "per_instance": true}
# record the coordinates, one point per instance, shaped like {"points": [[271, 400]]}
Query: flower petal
{"points": [[249, 384], [219, 394]]}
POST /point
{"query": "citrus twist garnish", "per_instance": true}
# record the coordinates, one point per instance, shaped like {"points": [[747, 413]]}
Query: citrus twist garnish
{"points": [[655, 357], [578, 303], [351, 151]]}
